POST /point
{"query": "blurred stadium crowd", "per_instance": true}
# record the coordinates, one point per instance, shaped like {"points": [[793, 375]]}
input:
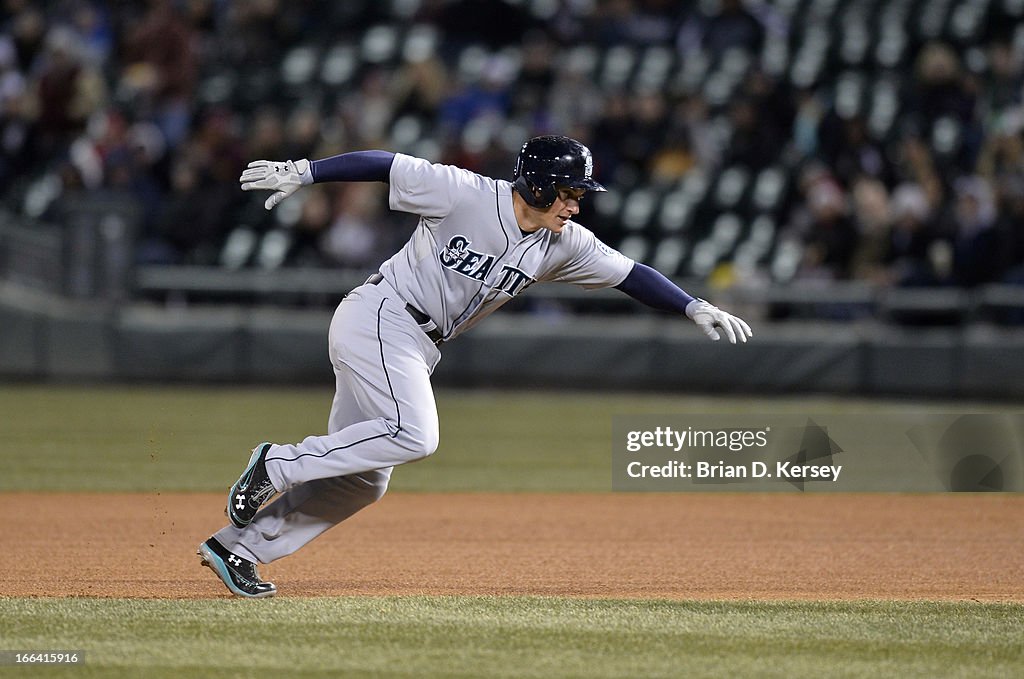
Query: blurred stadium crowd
{"points": [[876, 140]]}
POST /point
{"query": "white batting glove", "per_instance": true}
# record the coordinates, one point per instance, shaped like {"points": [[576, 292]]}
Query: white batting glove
{"points": [[282, 177], [709, 317]]}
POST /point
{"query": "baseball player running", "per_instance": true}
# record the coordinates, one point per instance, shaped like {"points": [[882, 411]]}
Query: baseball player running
{"points": [[479, 243]]}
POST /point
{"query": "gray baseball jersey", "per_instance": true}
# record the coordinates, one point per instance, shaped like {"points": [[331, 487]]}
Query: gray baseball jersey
{"points": [[468, 256], [465, 259]]}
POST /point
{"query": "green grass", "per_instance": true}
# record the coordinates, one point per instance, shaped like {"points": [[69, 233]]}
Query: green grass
{"points": [[519, 637], [184, 438], [196, 439], [143, 438]]}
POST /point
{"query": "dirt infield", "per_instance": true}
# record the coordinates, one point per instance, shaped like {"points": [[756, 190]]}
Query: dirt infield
{"points": [[675, 546]]}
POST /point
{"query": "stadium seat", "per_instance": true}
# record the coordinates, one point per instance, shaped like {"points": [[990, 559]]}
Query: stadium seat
{"points": [[471, 62], [676, 212], [582, 60], [607, 206], [405, 132], [669, 255], [769, 188], [809, 60], [218, 88], [379, 44], [946, 137], [635, 247], [855, 43], [299, 65], [639, 209], [731, 187], [884, 107], [758, 245], [967, 21], [695, 185], [775, 58], [786, 262], [694, 71], [238, 248], [618, 66], [890, 50], [655, 66], [725, 232], [931, 18], [340, 63], [420, 43], [849, 94], [273, 249], [704, 259]]}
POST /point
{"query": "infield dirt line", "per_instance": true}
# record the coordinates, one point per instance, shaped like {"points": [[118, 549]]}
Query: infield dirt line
{"points": [[669, 546]]}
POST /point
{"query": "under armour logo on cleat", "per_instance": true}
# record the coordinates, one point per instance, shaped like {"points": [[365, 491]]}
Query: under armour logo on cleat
{"points": [[234, 560], [241, 502]]}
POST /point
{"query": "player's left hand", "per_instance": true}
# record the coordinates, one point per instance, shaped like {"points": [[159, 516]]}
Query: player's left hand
{"points": [[709, 318], [282, 177]]}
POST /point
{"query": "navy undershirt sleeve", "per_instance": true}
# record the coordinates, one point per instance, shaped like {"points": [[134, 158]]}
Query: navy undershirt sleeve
{"points": [[649, 286], [357, 166]]}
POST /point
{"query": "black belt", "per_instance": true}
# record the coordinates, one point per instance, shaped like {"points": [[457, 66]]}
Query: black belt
{"points": [[426, 324]]}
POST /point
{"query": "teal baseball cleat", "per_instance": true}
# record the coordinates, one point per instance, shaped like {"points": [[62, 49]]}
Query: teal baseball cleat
{"points": [[238, 574], [251, 490]]}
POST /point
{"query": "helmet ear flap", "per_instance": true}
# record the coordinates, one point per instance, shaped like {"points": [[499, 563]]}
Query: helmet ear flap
{"points": [[535, 196]]}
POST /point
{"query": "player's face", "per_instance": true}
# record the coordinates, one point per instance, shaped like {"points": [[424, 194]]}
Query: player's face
{"points": [[565, 207]]}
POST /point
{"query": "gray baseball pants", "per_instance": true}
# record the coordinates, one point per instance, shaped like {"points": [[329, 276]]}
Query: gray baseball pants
{"points": [[383, 415]]}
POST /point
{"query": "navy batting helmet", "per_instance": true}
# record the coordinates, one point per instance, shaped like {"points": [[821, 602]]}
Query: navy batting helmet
{"points": [[546, 164]]}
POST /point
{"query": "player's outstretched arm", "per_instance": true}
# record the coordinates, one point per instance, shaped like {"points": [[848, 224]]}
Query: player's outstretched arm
{"points": [[286, 177], [649, 286]]}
